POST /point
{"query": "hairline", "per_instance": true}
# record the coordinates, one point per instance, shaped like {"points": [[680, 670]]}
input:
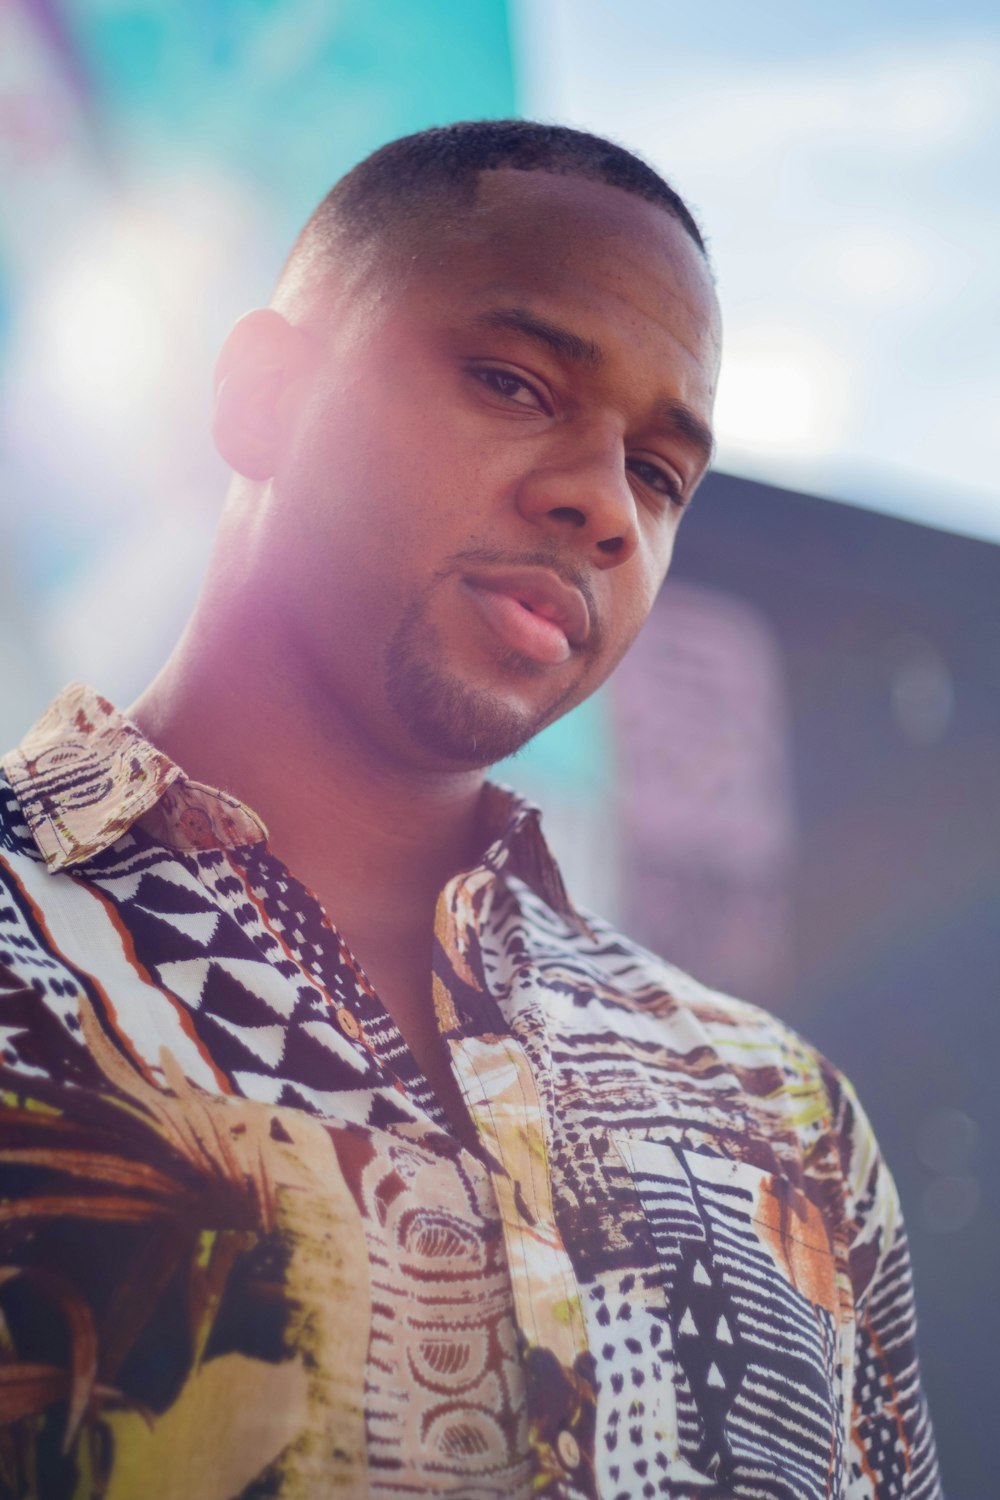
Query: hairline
{"points": [[315, 280]]}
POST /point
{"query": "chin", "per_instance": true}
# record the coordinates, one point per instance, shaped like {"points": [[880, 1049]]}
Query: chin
{"points": [[463, 725], [456, 716]]}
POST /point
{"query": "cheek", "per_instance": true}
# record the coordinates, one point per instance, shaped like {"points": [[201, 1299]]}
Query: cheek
{"points": [[344, 494], [638, 594]]}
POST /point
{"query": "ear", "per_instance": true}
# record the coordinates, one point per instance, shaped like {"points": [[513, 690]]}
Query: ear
{"points": [[260, 360]]}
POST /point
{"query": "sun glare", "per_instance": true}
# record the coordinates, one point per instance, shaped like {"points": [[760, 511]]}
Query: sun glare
{"points": [[780, 394]]}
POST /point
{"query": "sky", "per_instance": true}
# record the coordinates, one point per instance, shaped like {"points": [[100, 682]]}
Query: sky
{"points": [[843, 162]]}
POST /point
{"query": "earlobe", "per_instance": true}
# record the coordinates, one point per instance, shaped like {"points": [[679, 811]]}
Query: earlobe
{"points": [[262, 357]]}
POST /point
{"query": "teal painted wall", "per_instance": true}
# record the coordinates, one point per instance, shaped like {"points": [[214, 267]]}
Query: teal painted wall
{"points": [[287, 93], [229, 119]]}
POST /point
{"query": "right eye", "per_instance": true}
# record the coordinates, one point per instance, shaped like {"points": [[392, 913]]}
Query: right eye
{"points": [[514, 389]]}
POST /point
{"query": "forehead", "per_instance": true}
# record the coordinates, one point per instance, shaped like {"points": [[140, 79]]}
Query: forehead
{"points": [[550, 240]]}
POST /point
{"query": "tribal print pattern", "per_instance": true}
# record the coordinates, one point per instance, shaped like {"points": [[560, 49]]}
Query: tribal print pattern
{"points": [[243, 1255]]}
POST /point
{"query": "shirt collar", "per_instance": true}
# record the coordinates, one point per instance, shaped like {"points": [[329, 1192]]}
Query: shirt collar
{"points": [[85, 774], [519, 846]]}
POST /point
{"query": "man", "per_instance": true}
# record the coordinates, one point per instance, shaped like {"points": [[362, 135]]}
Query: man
{"points": [[343, 1155]]}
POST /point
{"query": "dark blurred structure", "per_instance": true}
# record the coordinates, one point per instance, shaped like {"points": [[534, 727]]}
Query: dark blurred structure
{"points": [[848, 870]]}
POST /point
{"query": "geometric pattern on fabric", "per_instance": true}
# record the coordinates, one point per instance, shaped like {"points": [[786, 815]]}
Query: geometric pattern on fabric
{"points": [[267, 1023], [755, 1350], [219, 1162], [697, 1180]]}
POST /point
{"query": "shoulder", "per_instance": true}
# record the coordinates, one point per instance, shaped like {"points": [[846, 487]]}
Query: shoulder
{"points": [[742, 1055], [648, 985]]}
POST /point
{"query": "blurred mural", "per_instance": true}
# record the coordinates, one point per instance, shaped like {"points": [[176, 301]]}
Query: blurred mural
{"points": [[705, 789], [791, 786]]}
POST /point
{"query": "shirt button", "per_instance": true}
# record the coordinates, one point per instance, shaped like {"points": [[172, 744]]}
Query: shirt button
{"points": [[568, 1449], [348, 1023]]}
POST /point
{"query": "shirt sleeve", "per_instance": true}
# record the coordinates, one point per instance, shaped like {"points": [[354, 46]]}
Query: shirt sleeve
{"points": [[891, 1442]]}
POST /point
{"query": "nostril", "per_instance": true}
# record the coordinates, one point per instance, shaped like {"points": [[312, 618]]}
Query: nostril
{"points": [[569, 513], [612, 544]]}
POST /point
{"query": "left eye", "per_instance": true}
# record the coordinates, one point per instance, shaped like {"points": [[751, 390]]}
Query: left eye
{"points": [[660, 480]]}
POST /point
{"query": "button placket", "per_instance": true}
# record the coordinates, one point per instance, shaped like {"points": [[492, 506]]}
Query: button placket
{"points": [[349, 1023], [568, 1449]]}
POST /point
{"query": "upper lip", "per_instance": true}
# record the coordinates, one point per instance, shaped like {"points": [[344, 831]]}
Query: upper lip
{"points": [[543, 591]]}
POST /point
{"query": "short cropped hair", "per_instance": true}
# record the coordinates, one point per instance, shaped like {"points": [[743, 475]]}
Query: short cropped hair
{"points": [[431, 177]]}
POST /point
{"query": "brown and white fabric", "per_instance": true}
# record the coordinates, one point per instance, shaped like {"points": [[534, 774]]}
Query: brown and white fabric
{"points": [[242, 1253]]}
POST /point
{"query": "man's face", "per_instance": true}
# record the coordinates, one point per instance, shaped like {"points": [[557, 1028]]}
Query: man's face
{"points": [[479, 496]]}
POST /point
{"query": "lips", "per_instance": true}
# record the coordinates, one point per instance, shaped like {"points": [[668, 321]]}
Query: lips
{"points": [[532, 610]]}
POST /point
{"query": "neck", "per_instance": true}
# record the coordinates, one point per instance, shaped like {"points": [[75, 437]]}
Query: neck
{"points": [[374, 838]]}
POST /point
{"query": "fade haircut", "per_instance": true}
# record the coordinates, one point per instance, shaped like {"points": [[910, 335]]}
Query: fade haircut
{"points": [[429, 181]]}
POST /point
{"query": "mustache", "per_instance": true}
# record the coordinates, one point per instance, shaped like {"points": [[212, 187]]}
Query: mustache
{"points": [[540, 557]]}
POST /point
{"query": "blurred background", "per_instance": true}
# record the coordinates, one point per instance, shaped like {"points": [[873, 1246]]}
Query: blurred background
{"points": [[792, 785]]}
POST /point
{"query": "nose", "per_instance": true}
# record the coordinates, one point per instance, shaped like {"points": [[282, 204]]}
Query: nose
{"points": [[580, 495]]}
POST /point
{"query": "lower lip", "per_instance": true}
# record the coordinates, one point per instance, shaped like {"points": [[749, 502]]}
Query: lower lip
{"points": [[521, 629]]}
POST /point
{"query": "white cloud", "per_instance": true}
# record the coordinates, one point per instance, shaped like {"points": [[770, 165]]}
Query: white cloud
{"points": [[876, 265], [781, 393]]}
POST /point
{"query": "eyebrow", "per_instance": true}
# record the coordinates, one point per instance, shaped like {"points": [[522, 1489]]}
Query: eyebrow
{"points": [[560, 340], [673, 417]]}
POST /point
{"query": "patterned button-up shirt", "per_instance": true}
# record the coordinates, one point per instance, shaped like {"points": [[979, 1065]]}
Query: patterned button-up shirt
{"points": [[242, 1253]]}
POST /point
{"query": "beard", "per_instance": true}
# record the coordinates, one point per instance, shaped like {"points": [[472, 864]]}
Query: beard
{"points": [[465, 724]]}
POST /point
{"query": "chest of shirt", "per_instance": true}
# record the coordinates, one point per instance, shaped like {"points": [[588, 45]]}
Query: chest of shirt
{"points": [[657, 1222]]}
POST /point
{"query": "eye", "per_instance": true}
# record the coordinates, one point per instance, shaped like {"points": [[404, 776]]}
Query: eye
{"points": [[663, 481], [514, 389]]}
